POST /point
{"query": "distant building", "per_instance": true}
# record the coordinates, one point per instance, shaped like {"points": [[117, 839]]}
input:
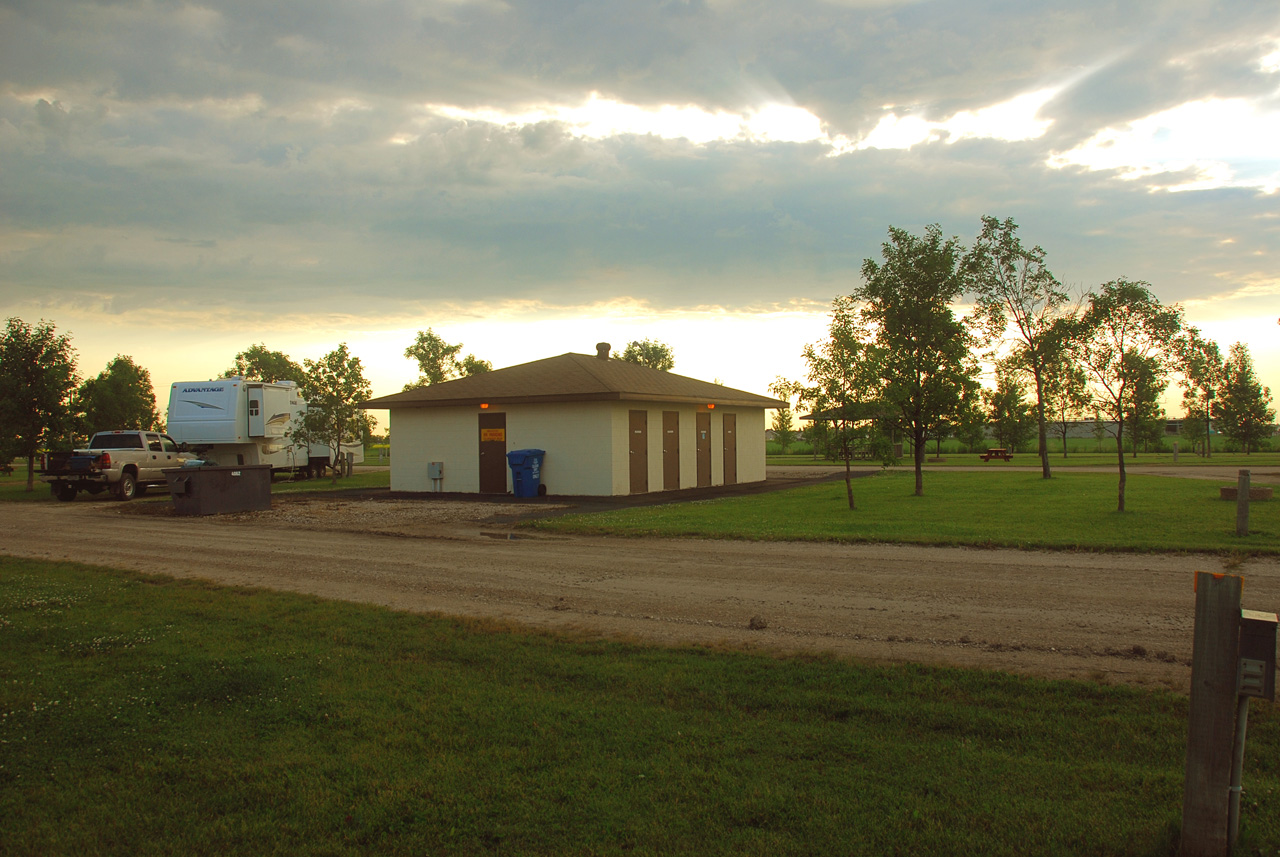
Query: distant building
{"points": [[608, 427]]}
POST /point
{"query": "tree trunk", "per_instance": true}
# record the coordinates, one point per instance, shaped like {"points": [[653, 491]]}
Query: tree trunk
{"points": [[1120, 457], [31, 473], [848, 479], [918, 435], [1040, 424]]}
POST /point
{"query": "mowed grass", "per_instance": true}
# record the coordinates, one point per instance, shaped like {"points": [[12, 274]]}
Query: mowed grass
{"points": [[143, 715], [1258, 461], [1006, 509]]}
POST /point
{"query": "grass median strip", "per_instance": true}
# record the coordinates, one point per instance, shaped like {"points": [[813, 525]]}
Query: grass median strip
{"points": [[1011, 509], [144, 715]]}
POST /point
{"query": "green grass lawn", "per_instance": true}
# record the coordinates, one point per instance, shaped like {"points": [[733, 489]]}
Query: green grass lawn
{"points": [[1009, 509], [142, 715], [954, 458]]}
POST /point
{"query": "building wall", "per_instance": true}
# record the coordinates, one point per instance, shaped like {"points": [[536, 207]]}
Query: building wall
{"points": [[423, 435], [751, 425], [751, 448], [578, 440], [587, 445]]}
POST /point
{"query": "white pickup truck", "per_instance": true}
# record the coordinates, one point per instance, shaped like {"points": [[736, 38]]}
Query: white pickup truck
{"points": [[125, 462]]}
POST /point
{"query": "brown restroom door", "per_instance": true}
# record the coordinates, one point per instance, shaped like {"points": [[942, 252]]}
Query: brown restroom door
{"points": [[730, 449], [670, 450], [493, 453], [703, 430], [638, 430]]}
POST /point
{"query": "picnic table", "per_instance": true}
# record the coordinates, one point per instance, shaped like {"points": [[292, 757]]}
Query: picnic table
{"points": [[996, 453]]}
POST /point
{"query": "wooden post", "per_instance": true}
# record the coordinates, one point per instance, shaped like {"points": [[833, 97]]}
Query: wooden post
{"points": [[1242, 503], [1211, 721]]}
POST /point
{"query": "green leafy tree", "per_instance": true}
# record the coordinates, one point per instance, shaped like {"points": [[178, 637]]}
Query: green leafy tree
{"points": [[940, 432], [1196, 427], [119, 397], [473, 365], [440, 361], [1012, 418], [1145, 417], [817, 435], [784, 428], [258, 363], [334, 386], [1245, 414], [37, 377], [1015, 289], [1200, 364], [843, 383], [920, 349], [651, 353], [971, 420], [1066, 394], [1123, 334]]}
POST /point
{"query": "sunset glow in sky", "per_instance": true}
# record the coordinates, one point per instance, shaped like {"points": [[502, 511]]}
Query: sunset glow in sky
{"points": [[181, 181]]}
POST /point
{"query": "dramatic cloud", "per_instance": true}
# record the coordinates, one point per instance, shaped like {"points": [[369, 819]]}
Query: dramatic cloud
{"points": [[334, 168]]}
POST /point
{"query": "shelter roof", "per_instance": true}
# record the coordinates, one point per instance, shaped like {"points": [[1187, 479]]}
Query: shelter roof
{"points": [[572, 378]]}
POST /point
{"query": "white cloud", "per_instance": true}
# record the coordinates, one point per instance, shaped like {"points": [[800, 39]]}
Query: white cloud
{"points": [[895, 132], [1271, 62], [784, 124], [1015, 119], [1219, 142], [599, 118]]}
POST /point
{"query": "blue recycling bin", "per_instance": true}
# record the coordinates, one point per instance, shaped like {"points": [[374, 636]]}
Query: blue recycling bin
{"points": [[526, 471]]}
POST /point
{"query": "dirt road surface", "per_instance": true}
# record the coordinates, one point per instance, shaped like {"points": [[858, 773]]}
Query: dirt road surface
{"points": [[1123, 618]]}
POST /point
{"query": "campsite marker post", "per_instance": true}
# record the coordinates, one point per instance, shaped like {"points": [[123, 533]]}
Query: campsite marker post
{"points": [[1211, 719], [1242, 503]]}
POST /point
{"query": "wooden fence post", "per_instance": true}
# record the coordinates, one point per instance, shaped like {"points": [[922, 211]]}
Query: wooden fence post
{"points": [[1212, 718], [1242, 503]]}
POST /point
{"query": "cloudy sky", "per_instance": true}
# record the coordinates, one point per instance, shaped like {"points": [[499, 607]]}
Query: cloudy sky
{"points": [[179, 180]]}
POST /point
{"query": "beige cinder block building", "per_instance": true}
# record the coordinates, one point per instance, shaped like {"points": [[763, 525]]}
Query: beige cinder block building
{"points": [[608, 427]]}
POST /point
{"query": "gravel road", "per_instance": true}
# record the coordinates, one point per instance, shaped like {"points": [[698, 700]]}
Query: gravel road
{"points": [[1124, 618]]}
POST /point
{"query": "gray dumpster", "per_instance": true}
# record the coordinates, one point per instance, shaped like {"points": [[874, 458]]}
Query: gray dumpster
{"points": [[214, 490]]}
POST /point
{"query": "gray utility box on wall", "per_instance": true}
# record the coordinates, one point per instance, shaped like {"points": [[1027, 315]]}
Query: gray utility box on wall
{"points": [[213, 490]]}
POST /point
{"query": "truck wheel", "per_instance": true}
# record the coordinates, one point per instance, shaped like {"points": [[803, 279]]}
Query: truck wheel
{"points": [[127, 487], [64, 492]]}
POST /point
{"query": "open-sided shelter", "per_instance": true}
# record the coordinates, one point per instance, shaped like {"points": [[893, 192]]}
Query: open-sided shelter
{"points": [[607, 426]]}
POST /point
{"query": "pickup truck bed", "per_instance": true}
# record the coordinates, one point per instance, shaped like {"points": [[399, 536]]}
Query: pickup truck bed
{"points": [[126, 462]]}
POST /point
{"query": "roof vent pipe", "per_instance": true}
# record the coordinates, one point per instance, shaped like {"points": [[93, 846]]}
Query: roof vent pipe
{"points": [[602, 350]]}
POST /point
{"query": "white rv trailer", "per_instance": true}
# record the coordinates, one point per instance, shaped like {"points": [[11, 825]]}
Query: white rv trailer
{"points": [[238, 422]]}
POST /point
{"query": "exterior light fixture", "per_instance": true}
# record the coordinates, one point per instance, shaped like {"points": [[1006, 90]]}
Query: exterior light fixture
{"points": [[484, 406], [711, 407]]}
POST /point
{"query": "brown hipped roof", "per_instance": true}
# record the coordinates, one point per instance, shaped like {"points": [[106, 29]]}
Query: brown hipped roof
{"points": [[572, 378]]}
